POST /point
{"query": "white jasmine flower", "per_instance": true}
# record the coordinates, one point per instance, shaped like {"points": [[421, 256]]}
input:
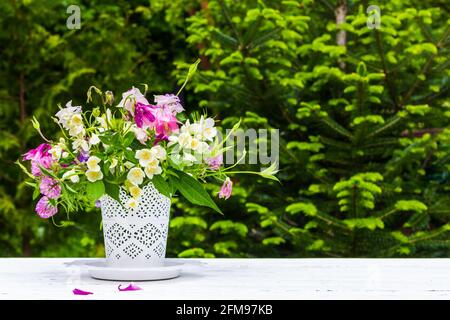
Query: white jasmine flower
{"points": [[92, 163], [132, 203], [193, 144], [136, 176], [93, 176], [145, 156], [159, 152], [150, 171], [135, 191]]}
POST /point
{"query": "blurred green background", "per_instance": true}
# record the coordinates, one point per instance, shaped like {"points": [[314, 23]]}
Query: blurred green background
{"points": [[363, 114]]}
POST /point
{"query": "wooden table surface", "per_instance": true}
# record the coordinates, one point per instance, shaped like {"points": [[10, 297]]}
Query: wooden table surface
{"points": [[217, 279]]}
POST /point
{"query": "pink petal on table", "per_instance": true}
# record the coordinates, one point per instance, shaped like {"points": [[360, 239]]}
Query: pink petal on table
{"points": [[81, 292], [131, 287]]}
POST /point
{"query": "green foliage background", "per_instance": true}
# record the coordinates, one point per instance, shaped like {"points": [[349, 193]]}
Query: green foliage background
{"points": [[363, 116]]}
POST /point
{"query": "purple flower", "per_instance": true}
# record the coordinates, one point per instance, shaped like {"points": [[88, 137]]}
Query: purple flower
{"points": [[83, 156], [144, 115], [214, 163], [45, 209], [39, 157], [170, 102], [98, 204], [226, 190], [49, 187]]}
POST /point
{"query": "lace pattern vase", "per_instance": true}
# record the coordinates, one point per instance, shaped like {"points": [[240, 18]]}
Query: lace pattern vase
{"points": [[136, 237]]}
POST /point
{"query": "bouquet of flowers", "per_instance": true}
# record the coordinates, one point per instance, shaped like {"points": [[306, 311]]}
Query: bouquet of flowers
{"points": [[128, 145]]}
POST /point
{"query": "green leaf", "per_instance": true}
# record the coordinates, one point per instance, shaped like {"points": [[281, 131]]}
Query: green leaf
{"points": [[128, 140], [194, 192], [113, 191], [95, 190], [162, 186], [36, 193]]}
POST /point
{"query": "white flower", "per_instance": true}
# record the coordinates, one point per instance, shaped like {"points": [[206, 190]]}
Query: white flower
{"points": [[184, 140], [130, 98], [150, 171], [94, 140], [203, 148], [75, 125], [65, 114], [209, 132], [72, 176], [145, 156], [135, 191], [92, 163], [189, 159], [136, 176], [132, 203], [56, 152], [80, 143], [93, 176], [159, 152], [102, 122], [141, 134]]}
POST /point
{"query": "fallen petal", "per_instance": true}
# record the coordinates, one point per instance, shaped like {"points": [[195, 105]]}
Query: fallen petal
{"points": [[131, 287], [81, 292]]}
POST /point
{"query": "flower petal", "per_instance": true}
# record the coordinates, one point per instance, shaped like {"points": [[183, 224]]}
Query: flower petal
{"points": [[81, 292], [131, 287]]}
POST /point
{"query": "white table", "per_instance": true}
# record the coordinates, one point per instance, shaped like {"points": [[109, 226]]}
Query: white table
{"points": [[217, 279]]}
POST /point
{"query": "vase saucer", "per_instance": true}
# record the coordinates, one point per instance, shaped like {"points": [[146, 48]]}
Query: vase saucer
{"points": [[100, 270]]}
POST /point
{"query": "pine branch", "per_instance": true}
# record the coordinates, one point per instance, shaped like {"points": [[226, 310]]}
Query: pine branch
{"points": [[387, 75], [426, 67], [391, 122], [336, 127]]}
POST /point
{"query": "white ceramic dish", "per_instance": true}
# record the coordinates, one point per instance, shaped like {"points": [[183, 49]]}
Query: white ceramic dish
{"points": [[100, 270]]}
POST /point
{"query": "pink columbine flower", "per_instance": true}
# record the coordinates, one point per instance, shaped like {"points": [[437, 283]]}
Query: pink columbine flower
{"points": [[169, 101], [144, 117], [165, 122], [130, 98], [226, 190], [214, 163], [50, 187], [159, 119], [39, 157], [45, 209]]}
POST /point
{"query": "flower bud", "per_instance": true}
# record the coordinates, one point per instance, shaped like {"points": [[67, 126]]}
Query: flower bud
{"points": [[109, 98]]}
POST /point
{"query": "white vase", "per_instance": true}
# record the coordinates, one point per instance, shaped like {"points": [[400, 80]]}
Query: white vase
{"points": [[136, 238]]}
